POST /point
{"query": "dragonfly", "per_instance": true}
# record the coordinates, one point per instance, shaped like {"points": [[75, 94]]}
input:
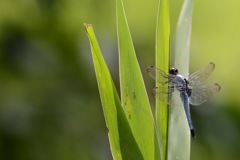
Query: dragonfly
{"points": [[195, 90]]}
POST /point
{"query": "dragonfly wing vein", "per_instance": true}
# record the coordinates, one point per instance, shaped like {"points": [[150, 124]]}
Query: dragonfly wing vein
{"points": [[159, 76], [167, 95], [200, 77], [201, 94]]}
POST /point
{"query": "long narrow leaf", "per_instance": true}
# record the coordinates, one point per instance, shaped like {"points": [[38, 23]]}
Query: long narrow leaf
{"points": [[183, 37], [179, 143], [122, 142], [133, 93], [162, 62]]}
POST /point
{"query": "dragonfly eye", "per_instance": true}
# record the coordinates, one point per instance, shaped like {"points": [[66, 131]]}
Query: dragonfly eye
{"points": [[173, 71]]}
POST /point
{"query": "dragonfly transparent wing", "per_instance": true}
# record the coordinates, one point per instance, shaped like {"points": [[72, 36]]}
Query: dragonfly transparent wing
{"points": [[201, 90], [159, 75], [202, 93], [167, 95], [200, 77], [164, 93]]}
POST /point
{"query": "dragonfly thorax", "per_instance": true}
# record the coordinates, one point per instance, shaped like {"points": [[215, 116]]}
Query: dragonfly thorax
{"points": [[180, 82]]}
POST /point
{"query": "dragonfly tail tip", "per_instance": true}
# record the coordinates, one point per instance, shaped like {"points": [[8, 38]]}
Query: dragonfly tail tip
{"points": [[193, 134]]}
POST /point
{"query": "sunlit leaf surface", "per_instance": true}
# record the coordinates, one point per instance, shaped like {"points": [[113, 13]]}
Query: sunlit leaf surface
{"points": [[122, 142], [133, 93]]}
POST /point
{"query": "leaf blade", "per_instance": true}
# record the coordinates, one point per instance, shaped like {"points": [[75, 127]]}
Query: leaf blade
{"points": [[179, 129], [133, 93], [162, 62], [122, 142]]}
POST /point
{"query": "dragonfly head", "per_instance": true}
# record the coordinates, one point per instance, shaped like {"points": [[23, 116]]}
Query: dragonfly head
{"points": [[173, 71]]}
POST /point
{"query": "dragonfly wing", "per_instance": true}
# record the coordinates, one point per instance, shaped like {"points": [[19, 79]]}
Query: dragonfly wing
{"points": [[201, 93], [200, 76], [166, 95], [159, 75]]}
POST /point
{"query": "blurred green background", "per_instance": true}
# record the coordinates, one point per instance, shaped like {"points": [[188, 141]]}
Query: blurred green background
{"points": [[49, 102]]}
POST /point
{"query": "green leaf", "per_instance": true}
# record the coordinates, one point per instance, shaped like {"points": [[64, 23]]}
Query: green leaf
{"points": [[178, 125], [162, 62], [122, 142], [133, 93], [183, 37]]}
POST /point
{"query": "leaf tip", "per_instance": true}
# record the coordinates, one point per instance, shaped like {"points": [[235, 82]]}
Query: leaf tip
{"points": [[87, 25]]}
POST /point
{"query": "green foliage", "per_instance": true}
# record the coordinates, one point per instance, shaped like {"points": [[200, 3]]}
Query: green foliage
{"points": [[178, 126], [137, 123], [122, 142], [162, 62], [49, 104], [133, 93]]}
